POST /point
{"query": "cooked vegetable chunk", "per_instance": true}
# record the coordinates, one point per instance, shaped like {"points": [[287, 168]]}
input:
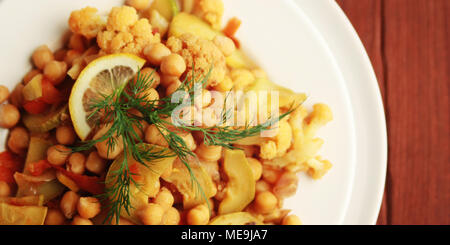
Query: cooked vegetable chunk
{"points": [[146, 177], [22, 215], [181, 178], [42, 123], [240, 189], [239, 218]]}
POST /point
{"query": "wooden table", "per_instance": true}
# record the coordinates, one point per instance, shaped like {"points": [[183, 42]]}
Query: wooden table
{"points": [[408, 42]]}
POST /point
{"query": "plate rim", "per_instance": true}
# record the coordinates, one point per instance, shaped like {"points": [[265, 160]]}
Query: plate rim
{"points": [[338, 32]]}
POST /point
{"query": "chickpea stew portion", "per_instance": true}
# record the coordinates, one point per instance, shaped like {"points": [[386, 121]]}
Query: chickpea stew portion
{"points": [[128, 123]]}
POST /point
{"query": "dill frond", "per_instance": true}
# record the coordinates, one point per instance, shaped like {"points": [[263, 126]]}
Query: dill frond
{"points": [[115, 109]]}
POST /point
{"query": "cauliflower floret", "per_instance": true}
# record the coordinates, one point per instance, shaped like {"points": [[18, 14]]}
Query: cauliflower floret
{"points": [[268, 150], [122, 18], [86, 22], [283, 138], [125, 32], [211, 11], [320, 116], [200, 55], [318, 167]]}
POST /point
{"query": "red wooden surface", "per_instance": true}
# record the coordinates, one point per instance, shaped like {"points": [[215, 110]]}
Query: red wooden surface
{"points": [[408, 42]]}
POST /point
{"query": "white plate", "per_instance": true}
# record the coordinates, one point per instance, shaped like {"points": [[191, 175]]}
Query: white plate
{"points": [[367, 107], [286, 41]]}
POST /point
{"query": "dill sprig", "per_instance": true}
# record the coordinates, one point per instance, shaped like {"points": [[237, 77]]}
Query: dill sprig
{"points": [[116, 110]]}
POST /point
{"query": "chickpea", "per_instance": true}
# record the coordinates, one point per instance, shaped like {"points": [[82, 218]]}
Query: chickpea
{"points": [[88, 207], [27, 78], [209, 117], [71, 55], [138, 4], [173, 65], [16, 97], [156, 52], [76, 163], [153, 76], [262, 186], [270, 175], [151, 95], [105, 152], [189, 140], [225, 44], [68, 204], [198, 215], [9, 115], [151, 214], [54, 217], [171, 217], [4, 93], [95, 163], [41, 56], [286, 185], [265, 202], [139, 130], [55, 71], [5, 190], [164, 198], [77, 220], [189, 114], [153, 136], [65, 135], [209, 152], [291, 220], [76, 42], [58, 154], [123, 221], [225, 86], [166, 80], [18, 139], [172, 88]]}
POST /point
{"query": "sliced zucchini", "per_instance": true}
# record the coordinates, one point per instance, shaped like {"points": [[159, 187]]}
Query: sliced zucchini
{"points": [[167, 8], [182, 179], [22, 215], [240, 189], [238, 218], [42, 123], [147, 179]]}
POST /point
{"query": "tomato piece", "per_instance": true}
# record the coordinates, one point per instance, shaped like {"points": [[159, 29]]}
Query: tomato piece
{"points": [[232, 27], [6, 175], [50, 94], [91, 184], [10, 161], [37, 168], [36, 106]]}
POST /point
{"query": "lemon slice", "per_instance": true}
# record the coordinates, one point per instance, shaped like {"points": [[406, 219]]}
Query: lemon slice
{"points": [[101, 77]]}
